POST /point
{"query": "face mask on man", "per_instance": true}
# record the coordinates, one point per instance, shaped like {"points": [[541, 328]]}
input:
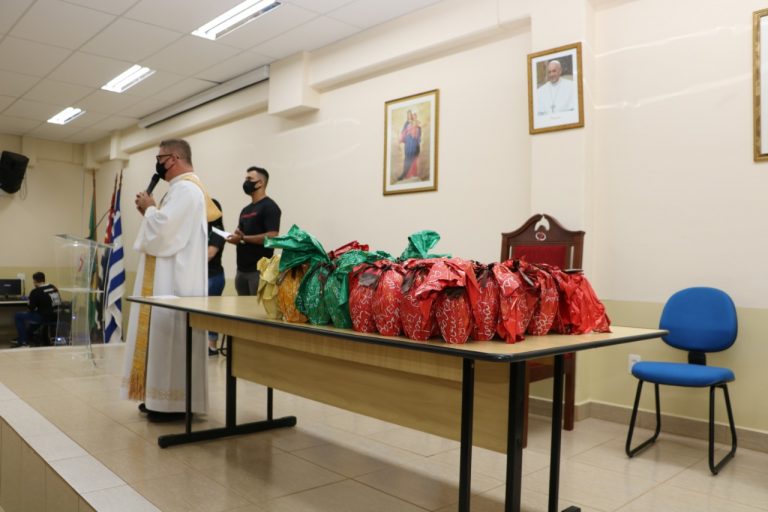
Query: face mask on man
{"points": [[249, 187], [160, 169]]}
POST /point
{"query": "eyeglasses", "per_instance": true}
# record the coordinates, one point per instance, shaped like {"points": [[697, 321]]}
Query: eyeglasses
{"points": [[158, 157]]}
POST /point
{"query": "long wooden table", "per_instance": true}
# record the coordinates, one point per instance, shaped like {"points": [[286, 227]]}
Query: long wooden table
{"points": [[471, 392]]}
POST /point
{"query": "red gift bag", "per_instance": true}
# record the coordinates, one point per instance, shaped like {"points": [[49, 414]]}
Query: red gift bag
{"points": [[417, 314], [349, 246], [385, 304], [547, 298], [453, 313], [562, 323], [580, 310], [587, 312], [485, 303], [363, 281], [448, 281], [517, 301]]}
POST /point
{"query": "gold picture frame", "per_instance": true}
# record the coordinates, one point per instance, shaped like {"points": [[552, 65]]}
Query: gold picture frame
{"points": [[555, 89], [410, 143], [760, 86]]}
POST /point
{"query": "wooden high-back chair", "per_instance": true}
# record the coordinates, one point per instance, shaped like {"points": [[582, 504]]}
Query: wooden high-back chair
{"points": [[542, 239]]}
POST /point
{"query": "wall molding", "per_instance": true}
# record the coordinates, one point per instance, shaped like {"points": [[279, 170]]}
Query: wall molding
{"points": [[689, 427]]}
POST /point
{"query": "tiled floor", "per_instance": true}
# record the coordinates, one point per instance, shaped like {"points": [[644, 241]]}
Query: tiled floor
{"points": [[336, 461]]}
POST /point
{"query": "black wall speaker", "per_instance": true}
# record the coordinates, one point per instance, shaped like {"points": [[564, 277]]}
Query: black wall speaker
{"points": [[12, 169]]}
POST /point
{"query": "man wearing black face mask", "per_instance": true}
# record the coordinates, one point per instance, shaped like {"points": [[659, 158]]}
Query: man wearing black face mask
{"points": [[259, 219], [172, 245]]}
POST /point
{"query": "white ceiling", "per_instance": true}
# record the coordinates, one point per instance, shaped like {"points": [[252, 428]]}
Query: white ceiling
{"points": [[58, 53]]}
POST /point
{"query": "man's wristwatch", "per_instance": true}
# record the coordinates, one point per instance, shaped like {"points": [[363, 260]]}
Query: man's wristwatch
{"points": [[242, 240]]}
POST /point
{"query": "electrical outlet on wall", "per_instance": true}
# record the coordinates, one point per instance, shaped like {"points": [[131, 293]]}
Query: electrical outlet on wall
{"points": [[633, 358]]}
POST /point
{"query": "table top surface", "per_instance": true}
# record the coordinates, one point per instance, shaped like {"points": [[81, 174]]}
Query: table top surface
{"points": [[13, 302], [248, 310]]}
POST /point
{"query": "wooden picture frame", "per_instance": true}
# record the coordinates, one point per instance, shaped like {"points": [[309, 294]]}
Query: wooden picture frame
{"points": [[555, 89], [410, 143], [759, 85]]}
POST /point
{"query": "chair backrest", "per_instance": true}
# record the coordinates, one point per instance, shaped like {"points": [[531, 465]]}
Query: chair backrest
{"points": [[542, 239], [700, 319]]}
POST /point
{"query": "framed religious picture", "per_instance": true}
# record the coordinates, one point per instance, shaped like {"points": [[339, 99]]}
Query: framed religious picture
{"points": [[555, 91], [410, 143], [760, 85]]}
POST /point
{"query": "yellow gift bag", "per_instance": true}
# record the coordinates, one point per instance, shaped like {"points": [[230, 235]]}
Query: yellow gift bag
{"points": [[287, 289], [267, 293]]}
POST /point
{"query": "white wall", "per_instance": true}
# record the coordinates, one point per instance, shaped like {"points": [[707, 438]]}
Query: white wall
{"points": [[54, 199], [680, 200], [326, 167]]}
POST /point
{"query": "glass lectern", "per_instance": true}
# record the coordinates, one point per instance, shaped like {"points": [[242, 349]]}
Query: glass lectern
{"points": [[81, 265]]}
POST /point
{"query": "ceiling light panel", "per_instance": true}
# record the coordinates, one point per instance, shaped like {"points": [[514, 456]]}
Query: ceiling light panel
{"points": [[66, 115], [128, 78], [235, 18]]}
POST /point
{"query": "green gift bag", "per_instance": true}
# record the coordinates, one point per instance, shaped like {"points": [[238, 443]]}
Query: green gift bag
{"points": [[336, 293], [309, 299], [419, 245], [300, 248]]}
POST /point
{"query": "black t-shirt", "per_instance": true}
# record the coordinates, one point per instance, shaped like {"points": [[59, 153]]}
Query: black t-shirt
{"points": [[215, 267], [44, 299], [255, 219]]}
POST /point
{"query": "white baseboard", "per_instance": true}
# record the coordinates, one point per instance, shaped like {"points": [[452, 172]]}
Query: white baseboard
{"points": [[698, 429]]}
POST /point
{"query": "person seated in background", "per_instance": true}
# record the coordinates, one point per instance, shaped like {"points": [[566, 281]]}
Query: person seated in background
{"points": [[44, 301]]}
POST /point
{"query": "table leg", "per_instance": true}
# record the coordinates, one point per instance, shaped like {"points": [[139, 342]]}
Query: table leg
{"points": [[557, 433], [230, 428], [515, 437], [231, 388], [269, 403], [465, 461], [188, 382]]}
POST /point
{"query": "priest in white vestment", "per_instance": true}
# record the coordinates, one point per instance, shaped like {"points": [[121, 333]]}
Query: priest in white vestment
{"points": [[557, 94], [174, 235]]}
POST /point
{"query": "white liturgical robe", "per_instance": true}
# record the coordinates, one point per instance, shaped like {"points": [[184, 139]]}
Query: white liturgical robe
{"points": [[558, 97], [176, 234]]}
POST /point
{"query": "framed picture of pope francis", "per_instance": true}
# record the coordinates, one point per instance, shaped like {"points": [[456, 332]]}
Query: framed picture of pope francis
{"points": [[555, 91]]}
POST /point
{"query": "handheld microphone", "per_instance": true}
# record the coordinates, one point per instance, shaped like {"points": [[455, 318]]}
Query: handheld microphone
{"points": [[153, 183]]}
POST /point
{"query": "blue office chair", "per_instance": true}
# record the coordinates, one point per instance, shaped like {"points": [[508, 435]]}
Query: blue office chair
{"points": [[699, 320]]}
